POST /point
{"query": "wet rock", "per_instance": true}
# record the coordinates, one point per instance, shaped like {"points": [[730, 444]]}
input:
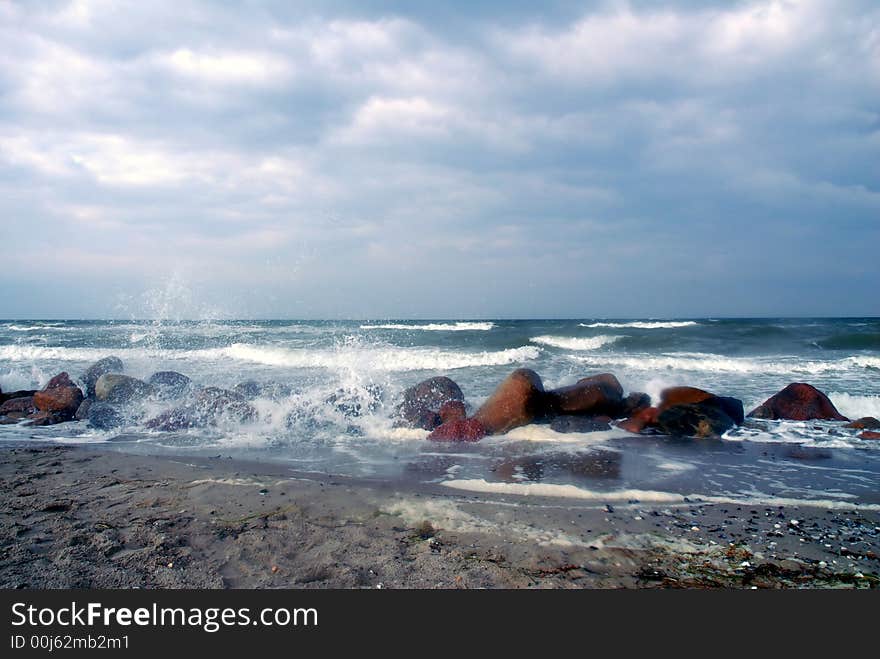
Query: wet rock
{"points": [[23, 406], [869, 434], [465, 430], [674, 396], [865, 423], [104, 416], [641, 420], [82, 412], [454, 410], [214, 403], [60, 397], [101, 367], [518, 401], [121, 389], [635, 402], [570, 423], [595, 395], [421, 403], [798, 402], [699, 420], [46, 418], [170, 384], [9, 395], [354, 402], [252, 389], [179, 418]]}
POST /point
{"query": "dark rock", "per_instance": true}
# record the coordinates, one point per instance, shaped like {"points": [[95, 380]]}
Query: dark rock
{"points": [[170, 384], [421, 404], [638, 422], [454, 410], [698, 420], [9, 395], [467, 430], [252, 389], [598, 394], [865, 423], [869, 434], [213, 403], [82, 412], [24, 405], [179, 418], [122, 389], [798, 402], [675, 396], [518, 401], [353, 402], [104, 416], [635, 402], [101, 367], [572, 423]]}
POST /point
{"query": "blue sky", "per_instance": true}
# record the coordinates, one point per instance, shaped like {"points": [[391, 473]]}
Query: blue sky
{"points": [[377, 159]]}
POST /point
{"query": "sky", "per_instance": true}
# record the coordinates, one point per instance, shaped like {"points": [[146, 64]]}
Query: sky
{"points": [[439, 160]]}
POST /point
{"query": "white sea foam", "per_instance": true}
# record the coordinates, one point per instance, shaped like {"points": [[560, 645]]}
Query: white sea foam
{"points": [[645, 324], [855, 407], [642, 496], [436, 327], [573, 343]]}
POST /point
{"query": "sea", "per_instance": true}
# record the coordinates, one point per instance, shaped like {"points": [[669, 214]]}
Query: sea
{"points": [[331, 388]]}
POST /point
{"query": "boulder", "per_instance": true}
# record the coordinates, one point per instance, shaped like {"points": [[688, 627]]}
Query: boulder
{"points": [[518, 401], [644, 418], [18, 406], [798, 402], [635, 402], [698, 420], [869, 434], [865, 423], [180, 418], [82, 412], [104, 416], [169, 384], [453, 410], [60, 397], [462, 430], [121, 389], [421, 403], [212, 403], [101, 367], [252, 389], [596, 395], [354, 402], [573, 423], [9, 395], [674, 396]]}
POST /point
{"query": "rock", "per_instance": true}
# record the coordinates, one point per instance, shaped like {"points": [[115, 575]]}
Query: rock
{"points": [[635, 402], [798, 402], [869, 434], [422, 402], [121, 389], [644, 418], [45, 418], [104, 416], [170, 384], [697, 420], [674, 396], [210, 406], [453, 410], [101, 367], [82, 412], [518, 401], [60, 397], [865, 423], [9, 395], [351, 402], [252, 389], [598, 394], [465, 430], [179, 418], [23, 406], [572, 423]]}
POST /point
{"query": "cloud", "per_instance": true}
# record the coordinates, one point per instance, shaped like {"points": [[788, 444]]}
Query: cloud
{"points": [[442, 160]]}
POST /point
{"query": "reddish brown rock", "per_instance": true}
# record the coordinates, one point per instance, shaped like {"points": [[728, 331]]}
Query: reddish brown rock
{"points": [[635, 402], [24, 405], [644, 418], [422, 402], [454, 410], [596, 395], [798, 402], [9, 395], [869, 434], [518, 401], [61, 398], [675, 396], [865, 423], [463, 430]]}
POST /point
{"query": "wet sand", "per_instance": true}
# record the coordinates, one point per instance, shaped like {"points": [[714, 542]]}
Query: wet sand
{"points": [[74, 517]]}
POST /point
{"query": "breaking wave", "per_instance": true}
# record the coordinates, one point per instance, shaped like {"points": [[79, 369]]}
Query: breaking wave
{"points": [[644, 324], [435, 327], [572, 343]]}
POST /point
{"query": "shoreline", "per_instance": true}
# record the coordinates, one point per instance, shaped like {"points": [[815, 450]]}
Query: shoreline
{"points": [[81, 517]]}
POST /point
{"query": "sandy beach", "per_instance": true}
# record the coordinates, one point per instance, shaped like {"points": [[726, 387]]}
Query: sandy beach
{"points": [[75, 517]]}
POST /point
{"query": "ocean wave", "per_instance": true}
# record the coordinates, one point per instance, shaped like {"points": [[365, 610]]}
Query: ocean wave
{"points": [[854, 406], [855, 341], [644, 324], [374, 358], [708, 362], [573, 343], [436, 327]]}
